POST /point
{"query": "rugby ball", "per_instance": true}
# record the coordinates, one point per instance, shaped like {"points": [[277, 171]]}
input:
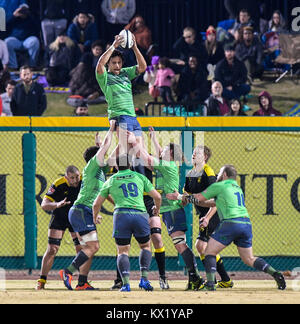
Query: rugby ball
{"points": [[128, 38]]}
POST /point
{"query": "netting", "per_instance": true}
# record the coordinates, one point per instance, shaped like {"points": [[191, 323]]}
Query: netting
{"points": [[268, 167]]}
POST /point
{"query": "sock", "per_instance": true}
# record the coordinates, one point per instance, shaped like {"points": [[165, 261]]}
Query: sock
{"points": [[261, 265], [82, 280], [124, 267], [145, 262], [43, 278], [119, 278], [79, 260], [210, 269], [190, 262], [221, 269], [160, 258]]}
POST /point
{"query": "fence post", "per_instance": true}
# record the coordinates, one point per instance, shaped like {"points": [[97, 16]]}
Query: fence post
{"points": [[187, 143], [30, 213]]}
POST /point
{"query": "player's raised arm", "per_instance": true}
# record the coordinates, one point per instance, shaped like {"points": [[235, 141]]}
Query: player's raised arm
{"points": [[103, 60], [141, 63], [157, 201], [106, 143], [158, 148], [96, 209]]}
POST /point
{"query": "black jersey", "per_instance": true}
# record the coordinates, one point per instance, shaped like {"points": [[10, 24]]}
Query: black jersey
{"points": [[197, 182]]}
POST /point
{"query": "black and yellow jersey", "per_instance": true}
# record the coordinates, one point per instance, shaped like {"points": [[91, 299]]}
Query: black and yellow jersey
{"points": [[59, 190], [197, 182]]}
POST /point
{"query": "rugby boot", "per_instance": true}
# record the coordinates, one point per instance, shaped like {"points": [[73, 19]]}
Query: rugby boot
{"points": [[145, 284], [41, 284], [117, 285], [66, 278], [279, 278], [86, 286], [125, 288], [195, 285], [163, 282], [225, 284]]}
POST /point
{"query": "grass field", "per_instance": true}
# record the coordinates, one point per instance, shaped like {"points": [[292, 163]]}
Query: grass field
{"points": [[285, 95], [244, 292]]}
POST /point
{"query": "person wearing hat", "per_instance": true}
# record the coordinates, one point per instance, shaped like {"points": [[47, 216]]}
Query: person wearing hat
{"points": [[60, 58], [82, 109], [150, 77], [232, 73]]}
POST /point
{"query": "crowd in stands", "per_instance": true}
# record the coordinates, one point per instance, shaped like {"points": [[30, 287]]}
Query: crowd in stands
{"points": [[216, 67]]}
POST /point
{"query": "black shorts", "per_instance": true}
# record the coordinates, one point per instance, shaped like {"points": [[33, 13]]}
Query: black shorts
{"points": [[149, 204], [205, 233], [60, 223]]}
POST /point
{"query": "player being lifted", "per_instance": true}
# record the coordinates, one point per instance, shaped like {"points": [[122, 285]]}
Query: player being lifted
{"points": [[167, 181], [235, 226], [127, 189]]}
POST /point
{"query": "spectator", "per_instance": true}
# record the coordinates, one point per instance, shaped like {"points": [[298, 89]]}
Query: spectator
{"points": [[117, 14], [4, 73], [10, 7], [216, 104], [83, 80], [83, 31], [188, 45], [5, 98], [266, 108], [192, 84], [23, 32], [60, 58], [164, 79], [53, 19], [243, 20], [232, 73], [28, 98], [250, 51], [141, 32], [82, 109], [74, 7], [236, 108], [214, 49], [277, 23], [150, 77]]}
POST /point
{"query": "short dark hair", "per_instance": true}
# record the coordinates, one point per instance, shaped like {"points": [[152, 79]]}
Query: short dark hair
{"points": [[116, 53], [25, 67], [230, 171], [90, 153], [123, 162], [98, 42], [71, 169], [10, 82]]}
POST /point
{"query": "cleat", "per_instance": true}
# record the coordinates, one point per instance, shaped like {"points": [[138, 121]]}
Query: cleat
{"points": [[125, 288], [279, 278], [145, 284], [195, 285], [66, 278], [86, 286], [41, 284], [117, 285], [207, 287], [225, 284], [163, 282]]}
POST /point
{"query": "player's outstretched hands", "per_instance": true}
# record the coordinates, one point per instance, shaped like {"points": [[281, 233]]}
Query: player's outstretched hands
{"points": [[155, 211], [152, 133], [118, 41], [112, 125], [98, 142], [63, 203], [172, 196], [203, 222], [98, 219]]}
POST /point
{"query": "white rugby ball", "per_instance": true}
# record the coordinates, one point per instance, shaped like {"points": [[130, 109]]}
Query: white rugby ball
{"points": [[128, 38]]}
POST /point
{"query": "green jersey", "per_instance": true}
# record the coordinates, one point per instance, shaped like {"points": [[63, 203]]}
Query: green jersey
{"points": [[93, 178], [229, 198], [127, 189], [118, 91], [167, 181]]}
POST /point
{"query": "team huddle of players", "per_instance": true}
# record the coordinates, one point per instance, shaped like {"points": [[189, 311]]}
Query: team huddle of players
{"points": [[75, 203]]}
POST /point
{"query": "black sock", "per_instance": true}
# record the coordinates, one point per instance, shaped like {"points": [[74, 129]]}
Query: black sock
{"points": [[119, 278], [261, 265], [221, 269], [79, 260], [82, 280], [210, 269], [43, 277], [190, 262], [160, 258]]}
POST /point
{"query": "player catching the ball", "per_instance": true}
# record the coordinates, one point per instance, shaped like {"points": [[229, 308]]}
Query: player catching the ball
{"points": [[115, 82]]}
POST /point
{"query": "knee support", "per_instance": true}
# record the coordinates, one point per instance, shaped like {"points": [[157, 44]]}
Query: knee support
{"points": [[179, 240], [155, 230], [54, 241]]}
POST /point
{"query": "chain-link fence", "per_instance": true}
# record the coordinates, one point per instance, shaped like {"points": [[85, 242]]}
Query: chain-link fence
{"points": [[268, 167]]}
